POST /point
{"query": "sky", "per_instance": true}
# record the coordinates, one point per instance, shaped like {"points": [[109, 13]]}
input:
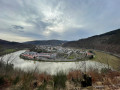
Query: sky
{"points": [[27, 20]]}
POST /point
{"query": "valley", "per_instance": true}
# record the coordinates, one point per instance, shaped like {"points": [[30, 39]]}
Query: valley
{"points": [[42, 66], [59, 45], [56, 53]]}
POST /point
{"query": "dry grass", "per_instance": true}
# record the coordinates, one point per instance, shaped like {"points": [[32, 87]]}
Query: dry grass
{"points": [[17, 79], [76, 75], [108, 59]]}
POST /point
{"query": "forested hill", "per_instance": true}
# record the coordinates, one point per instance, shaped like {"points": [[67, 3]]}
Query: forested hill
{"points": [[8, 44], [47, 42], [109, 42], [7, 47]]}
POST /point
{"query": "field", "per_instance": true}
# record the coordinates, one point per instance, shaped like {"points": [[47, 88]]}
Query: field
{"points": [[7, 51], [108, 59]]}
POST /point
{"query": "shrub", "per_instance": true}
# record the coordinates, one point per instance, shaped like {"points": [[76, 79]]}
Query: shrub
{"points": [[96, 76], [17, 79], [42, 87], [105, 70], [2, 81], [59, 80], [75, 76]]}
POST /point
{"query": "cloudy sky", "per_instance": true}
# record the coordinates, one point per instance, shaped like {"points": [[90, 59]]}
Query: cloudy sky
{"points": [[26, 20]]}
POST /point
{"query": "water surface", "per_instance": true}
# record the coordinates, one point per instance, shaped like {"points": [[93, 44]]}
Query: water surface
{"points": [[49, 67]]}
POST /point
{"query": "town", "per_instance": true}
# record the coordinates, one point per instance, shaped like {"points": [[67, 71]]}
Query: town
{"points": [[55, 53]]}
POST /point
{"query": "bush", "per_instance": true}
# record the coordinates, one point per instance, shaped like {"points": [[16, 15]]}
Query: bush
{"points": [[59, 80], [105, 70], [42, 87], [2, 81], [74, 76], [17, 79]]}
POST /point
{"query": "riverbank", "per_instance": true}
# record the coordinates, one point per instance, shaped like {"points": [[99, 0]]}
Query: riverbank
{"points": [[54, 60], [108, 59], [7, 51], [49, 67], [16, 79], [30, 75], [69, 55]]}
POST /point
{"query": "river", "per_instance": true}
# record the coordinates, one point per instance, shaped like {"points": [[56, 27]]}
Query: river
{"points": [[49, 67]]}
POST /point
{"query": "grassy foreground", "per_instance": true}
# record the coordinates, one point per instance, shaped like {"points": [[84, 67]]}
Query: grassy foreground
{"points": [[14, 79]]}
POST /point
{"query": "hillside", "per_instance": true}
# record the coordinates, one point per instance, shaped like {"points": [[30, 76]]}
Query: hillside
{"points": [[109, 42], [8, 44], [8, 47], [47, 42]]}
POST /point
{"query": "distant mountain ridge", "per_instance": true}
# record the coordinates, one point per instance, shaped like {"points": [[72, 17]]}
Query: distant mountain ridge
{"points": [[109, 42], [8, 44], [47, 42]]}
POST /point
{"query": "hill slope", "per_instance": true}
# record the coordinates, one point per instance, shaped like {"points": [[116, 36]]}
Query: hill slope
{"points": [[47, 42], [9, 47], [8, 44], [109, 42]]}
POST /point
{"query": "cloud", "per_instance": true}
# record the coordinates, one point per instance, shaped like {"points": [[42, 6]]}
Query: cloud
{"points": [[58, 19], [17, 27], [13, 37]]}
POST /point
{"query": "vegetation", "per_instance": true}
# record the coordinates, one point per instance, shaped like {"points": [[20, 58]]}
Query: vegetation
{"points": [[38, 50], [105, 70], [108, 59], [60, 80], [71, 56], [109, 42], [9, 47], [47, 42], [15, 79], [7, 51]]}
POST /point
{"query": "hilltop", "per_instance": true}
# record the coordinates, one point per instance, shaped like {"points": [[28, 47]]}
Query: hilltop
{"points": [[47, 42]]}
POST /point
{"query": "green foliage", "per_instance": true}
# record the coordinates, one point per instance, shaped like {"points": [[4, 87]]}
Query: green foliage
{"points": [[27, 79], [47, 42], [105, 70], [71, 57], [38, 50], [91, 57], [2, 81], [9, 67], [10, 50], [59, 80], [42, 87], [17, 79], [6, 51]]}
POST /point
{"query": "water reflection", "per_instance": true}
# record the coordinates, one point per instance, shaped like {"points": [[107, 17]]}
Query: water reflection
{"points": [[49, 67]]}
